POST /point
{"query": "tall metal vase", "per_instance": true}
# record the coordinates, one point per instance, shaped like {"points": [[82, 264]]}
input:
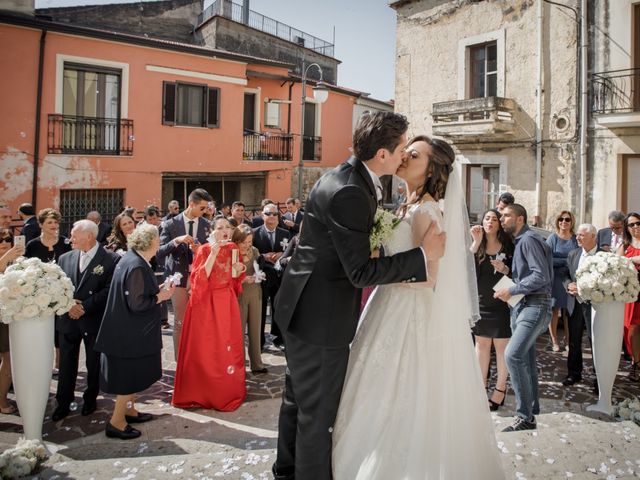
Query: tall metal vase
{"points": [[31, 343], [607, 325]]}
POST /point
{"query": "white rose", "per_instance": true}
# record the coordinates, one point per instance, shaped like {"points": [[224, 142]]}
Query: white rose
{"points": [[42, 300], [26, 289], [597, 297], [30, 311]]}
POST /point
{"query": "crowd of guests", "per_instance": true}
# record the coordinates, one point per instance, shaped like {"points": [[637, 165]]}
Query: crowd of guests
{"points": [[544, 272], [124, 273], [229, 268]]}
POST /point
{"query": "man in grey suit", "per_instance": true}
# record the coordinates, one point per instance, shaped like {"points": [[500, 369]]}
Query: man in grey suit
{"points": [[609, 239], [181, 236], [579, 310]]}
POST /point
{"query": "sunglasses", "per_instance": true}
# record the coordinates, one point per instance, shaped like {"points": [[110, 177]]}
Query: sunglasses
{"points": [[633, 224], [5, 239], [270, 214], [564, 219]]}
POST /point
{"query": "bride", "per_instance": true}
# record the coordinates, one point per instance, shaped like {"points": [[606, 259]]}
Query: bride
{"points": [[413, 404]]}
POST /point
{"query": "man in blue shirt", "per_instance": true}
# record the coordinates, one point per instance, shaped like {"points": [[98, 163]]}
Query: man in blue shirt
{"points": [[532, 273]]}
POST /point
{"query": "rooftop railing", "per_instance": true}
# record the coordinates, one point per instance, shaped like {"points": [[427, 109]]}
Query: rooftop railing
{"points": [[233, 11]]}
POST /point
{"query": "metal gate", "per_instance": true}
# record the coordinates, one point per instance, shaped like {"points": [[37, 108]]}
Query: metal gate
{"points": [[75, 204]]}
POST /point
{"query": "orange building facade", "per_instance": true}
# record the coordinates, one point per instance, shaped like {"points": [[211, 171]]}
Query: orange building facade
{"points": [[128, 120]]}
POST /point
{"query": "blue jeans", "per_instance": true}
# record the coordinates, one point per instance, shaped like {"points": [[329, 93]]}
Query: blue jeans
{"points": [[529, 319]]}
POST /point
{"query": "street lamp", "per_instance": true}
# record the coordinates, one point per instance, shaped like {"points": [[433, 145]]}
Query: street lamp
{"points": [[320, 94]]}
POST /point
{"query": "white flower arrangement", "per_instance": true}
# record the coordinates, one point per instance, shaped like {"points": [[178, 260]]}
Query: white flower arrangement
{"points": [[31, 288], [629, 409], [607, 277], [22, 460], [383, 224]]}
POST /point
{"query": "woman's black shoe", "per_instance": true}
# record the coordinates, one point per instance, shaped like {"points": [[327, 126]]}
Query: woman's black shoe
{"points": [[493, 406], [140, 418], [127, 434]]}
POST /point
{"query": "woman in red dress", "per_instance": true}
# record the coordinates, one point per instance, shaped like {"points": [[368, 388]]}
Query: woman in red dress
{"points": [[210, 371], [630, 248]]}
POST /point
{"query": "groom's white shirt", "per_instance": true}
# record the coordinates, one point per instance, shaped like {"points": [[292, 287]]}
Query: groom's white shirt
{"points": [[378, 185]]}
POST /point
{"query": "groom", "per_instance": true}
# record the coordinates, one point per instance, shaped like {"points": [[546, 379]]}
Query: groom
{"points": [[319, 299]]}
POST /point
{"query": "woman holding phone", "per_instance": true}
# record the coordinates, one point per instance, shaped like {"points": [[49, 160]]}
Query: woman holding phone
{"points": [[210, 371]]}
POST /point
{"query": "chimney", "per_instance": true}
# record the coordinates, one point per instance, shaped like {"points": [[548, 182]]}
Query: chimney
{"points": [[245, 12], [25, 7]]}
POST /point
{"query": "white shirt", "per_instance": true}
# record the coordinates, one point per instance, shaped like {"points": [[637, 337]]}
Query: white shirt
{"points": [[89, 256], [585, 254], [616, 241], [376, 182], [186, 224]]}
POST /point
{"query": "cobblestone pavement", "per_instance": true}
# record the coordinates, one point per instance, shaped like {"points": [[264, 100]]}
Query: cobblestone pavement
{"points": [[203, 444]]}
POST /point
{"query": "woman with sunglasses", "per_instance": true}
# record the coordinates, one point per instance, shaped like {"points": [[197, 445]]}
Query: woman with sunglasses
{"points": [[8, 253], [561, 243], [630, 248]]}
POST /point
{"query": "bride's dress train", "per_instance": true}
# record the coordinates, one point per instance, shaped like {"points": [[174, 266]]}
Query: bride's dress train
{"points": [[413, 404]]}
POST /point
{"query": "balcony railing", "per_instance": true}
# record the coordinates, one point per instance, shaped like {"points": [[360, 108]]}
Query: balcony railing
{"points": [[312, 148], [233, 11], [90, 135], [617, 91], [267, 146], [477, 117]]}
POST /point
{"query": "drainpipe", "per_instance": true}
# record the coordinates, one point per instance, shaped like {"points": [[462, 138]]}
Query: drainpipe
{"points": [[539, 117], [245, 12], [584, 98], [36, 142]]}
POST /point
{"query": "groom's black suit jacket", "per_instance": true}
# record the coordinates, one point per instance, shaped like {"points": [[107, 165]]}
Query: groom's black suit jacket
{"points": [[319, 298]]}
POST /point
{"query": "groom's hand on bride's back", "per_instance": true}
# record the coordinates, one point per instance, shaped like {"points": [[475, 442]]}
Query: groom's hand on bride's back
{"points": [[433, 242]]}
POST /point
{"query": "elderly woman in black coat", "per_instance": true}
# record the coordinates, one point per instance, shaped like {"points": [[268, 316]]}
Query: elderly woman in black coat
{"points": [[130, 336]]}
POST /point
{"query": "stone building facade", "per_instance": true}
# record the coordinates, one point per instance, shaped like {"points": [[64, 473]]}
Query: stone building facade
{"points": [[499, 79]]}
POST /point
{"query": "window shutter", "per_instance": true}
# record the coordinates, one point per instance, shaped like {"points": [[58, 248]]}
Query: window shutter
{"points": [[213, 107], [168, 103]]}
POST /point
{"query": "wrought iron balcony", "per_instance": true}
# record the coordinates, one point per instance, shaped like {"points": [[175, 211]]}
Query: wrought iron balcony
{"points": [[90, 135], [488, 117], [311, 148], [616, 92], [267, 146], [233, 11]]}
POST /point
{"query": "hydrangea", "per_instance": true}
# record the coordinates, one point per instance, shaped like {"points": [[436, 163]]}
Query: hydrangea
{"points": [[383, 224], [606, 277], [22, 460], [31, 288]]}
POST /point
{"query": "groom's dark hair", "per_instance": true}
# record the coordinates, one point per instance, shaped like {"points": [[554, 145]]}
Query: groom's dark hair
{"points": [[378, 130]]}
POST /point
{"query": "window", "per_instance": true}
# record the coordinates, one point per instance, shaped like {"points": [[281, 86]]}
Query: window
{"points": [[76, 203], [190, 105], [483, 76], [482, 65]]}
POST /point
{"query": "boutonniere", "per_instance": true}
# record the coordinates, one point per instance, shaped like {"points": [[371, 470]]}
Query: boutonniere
{"points": [[98, 270], [284, 243], [383, 224]]}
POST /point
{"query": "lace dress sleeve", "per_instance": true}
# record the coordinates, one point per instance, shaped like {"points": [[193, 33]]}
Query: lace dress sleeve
{"points": [[422, 218]]}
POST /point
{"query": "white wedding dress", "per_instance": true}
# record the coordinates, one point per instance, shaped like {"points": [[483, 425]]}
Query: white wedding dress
{"points": [[413, 404]]}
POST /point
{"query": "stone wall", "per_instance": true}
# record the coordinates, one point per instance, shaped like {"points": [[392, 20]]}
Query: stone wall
{"points": [[429, 69], [224, 34], [166, 19], [18, 6]]}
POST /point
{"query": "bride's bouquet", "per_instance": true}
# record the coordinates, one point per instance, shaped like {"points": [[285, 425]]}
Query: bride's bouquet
{"points": [[31, 288], [607, 277], [383, 224]]}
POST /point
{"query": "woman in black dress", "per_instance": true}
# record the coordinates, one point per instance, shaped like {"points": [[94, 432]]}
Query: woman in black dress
{"points": [[493, 250], [130, 336], [50, 244]]}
